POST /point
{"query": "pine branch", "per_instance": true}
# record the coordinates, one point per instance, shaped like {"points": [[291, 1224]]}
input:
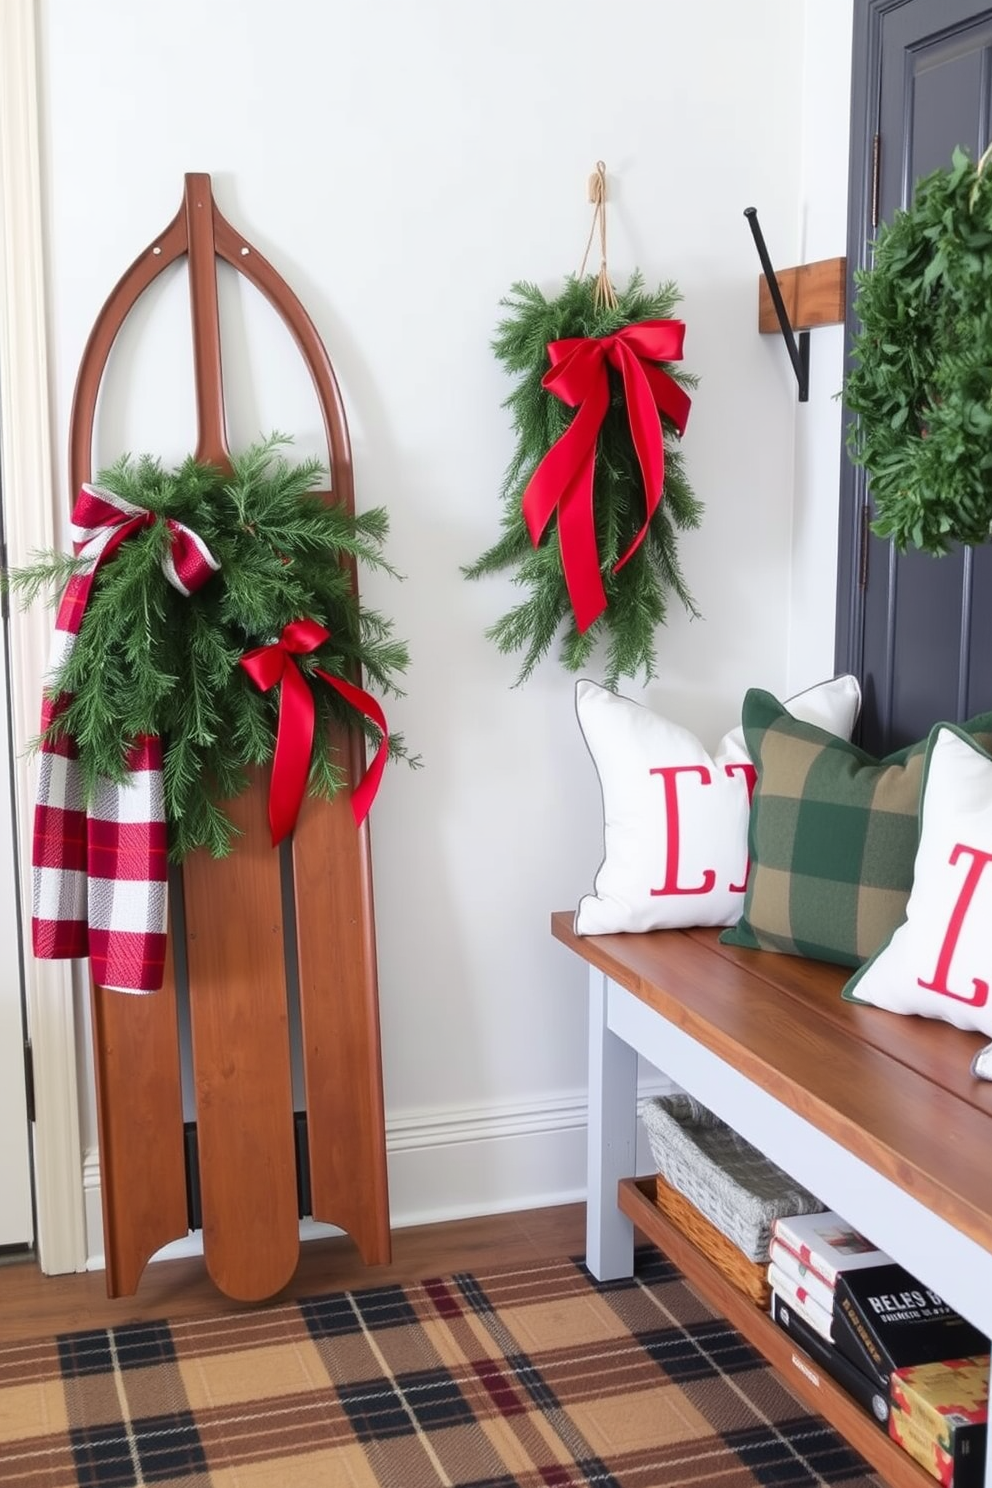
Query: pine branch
{"points": [[51, 570]]}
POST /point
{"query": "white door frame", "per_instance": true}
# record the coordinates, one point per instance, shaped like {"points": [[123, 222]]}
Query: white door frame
{"points": [[16, 1208], [30, 496]]}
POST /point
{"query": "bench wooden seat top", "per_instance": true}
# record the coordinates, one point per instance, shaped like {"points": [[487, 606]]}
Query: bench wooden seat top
{"points": [[896, 1091]]}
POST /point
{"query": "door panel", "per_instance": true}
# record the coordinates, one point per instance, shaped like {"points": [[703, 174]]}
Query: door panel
{"points": [[914, 627]]}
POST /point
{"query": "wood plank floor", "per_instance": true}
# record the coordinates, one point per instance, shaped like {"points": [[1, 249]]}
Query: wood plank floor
{"points": [[36, 1306]]}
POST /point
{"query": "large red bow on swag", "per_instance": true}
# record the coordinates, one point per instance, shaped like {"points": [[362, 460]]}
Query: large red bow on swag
{"points": [[564, 478], [294, 734]]}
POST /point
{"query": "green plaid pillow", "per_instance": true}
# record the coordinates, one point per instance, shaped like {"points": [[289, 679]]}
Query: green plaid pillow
{"points": [[832, 837]]}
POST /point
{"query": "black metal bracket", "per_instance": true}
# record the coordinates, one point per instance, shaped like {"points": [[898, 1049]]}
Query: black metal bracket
{"points": [[798, 354]]}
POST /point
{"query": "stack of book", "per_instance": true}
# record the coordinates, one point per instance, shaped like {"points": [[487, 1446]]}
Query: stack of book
{"points": [[918, 1368], [807, 1255]]}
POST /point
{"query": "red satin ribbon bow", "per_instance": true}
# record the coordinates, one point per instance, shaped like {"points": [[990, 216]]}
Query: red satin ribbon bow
{"points": [[564, 478], [101, 520], [294, 734]]}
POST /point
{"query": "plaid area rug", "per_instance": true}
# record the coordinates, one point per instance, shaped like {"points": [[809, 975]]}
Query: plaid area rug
{"points": [[530, 1377]]}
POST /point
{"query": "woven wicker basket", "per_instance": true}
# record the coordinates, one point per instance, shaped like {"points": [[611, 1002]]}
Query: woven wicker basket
{"points": [[749, 1277], [729, 1181]]}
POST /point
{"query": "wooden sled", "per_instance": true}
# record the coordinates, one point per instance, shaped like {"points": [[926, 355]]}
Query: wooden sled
{"points": [[230, 944]]}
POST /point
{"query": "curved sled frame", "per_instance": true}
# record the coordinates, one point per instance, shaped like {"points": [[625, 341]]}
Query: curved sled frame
{"points": [[233, 946]]}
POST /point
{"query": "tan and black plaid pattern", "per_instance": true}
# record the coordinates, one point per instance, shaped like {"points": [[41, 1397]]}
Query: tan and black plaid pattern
{"points": [[832, 837], [530, 1377]]}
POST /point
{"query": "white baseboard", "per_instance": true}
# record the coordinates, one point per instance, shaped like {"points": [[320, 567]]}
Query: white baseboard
{"points": [[454, 1163]]}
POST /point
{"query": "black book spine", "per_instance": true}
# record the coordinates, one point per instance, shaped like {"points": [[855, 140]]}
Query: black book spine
{"points": [[884, 1319], [867, 1392], [857, 1341]]}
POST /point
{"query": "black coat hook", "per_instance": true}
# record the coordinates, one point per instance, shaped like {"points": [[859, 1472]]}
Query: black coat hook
{"points": [[799, 355]]}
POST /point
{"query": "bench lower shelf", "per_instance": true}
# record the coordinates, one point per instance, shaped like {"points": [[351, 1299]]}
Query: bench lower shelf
{"points": [[828, 1399]]}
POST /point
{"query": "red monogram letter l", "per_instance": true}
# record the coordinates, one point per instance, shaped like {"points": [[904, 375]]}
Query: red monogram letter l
{"points": [[980, 996], [671, 884]]}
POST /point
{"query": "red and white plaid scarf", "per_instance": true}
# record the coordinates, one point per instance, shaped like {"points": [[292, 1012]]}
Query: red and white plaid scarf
{"points": [[100, 870]]}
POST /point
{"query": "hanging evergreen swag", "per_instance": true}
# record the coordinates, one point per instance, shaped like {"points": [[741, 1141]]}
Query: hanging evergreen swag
{"points": [[151, 660], [592, 499], [596, 489], [921, 384]]}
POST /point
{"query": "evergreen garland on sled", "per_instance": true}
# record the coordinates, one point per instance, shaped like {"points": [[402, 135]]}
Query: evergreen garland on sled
{"points": [[150, 661], [637, 594]]}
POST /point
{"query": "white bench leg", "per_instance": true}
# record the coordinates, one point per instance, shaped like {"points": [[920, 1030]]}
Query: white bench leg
{"points": [[612, 1139]]}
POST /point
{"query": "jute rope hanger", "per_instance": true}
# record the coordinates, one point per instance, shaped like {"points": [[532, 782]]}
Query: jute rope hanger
{"points": [[604, 295]]}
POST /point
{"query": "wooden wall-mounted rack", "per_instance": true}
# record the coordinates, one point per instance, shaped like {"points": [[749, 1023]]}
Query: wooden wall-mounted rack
{"points": [[231, 950], [798, 299]]}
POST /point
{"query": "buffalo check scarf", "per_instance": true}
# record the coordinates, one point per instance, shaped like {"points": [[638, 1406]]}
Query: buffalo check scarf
{"points": [[100, 866]]}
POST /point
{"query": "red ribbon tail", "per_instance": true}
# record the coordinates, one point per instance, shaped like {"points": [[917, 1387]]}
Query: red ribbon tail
{"points": [[648, 439], [564, 479], [294, 742], [367, 788], [672, 400], [579, 552], [564, 461]]}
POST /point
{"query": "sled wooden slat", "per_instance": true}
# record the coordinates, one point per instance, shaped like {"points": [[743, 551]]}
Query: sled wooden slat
{"points": [[339, 1013], [241, 1061], [142, 1172], [233, 912]]}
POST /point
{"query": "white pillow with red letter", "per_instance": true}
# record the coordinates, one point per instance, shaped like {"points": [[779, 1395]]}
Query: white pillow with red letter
{"points": [[938, 961], [675, 817]]}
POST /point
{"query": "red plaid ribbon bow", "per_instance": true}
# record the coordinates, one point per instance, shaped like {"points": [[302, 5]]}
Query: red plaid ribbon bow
{"points": [[100, 870]]}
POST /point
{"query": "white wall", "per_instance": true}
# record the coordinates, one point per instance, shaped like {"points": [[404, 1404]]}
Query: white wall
{"points": [[826, 112], [401, 165]]}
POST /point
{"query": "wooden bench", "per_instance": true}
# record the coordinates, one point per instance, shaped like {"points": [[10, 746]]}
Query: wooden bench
{"points": [[877, 1114]]}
